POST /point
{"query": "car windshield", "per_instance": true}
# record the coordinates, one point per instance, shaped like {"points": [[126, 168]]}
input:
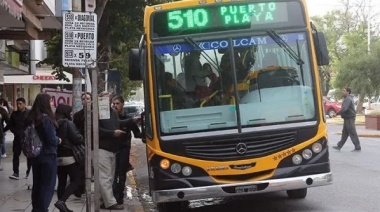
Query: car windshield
{"points": [[196, 88]]}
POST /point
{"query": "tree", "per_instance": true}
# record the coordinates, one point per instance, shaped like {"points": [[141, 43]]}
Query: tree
{"points": [[120, 28], [346, 32]]}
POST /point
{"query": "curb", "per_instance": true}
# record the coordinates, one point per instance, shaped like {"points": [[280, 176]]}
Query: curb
{"points": [[364, 135]]}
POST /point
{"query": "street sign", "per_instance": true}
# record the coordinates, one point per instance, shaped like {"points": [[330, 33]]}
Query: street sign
{"points": [[79, 46]]}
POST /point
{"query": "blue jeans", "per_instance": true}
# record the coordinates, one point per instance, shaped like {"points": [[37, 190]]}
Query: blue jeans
{"points": [[44, 169]]}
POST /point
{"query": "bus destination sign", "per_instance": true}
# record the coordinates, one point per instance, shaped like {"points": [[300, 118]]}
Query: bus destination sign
{"points": [[231, 15], [220, 17]]}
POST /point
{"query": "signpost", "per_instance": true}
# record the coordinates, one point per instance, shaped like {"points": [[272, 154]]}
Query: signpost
{"points": [[79, 50], [79, 46]]}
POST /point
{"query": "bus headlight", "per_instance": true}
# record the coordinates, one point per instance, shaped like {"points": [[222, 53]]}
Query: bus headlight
{"points": [[297, 159], [307, 154], [317, 147], [165, 163], [186, 171], [175, 168]]}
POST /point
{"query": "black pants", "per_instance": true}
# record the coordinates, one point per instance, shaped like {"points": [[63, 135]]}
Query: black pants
{"points": [[16, 157], [44, 179], [75, 173], [122, 164]]}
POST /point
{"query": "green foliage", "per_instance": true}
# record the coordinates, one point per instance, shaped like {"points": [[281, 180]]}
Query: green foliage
{"points": [[54, 57], [124, 28]]}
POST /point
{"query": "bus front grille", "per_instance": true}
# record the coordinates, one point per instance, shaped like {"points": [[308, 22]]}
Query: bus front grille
{"points": [[241, 148]]}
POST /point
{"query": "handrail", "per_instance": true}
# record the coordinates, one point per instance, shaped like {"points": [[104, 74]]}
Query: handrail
{"points": [[170, 99]]}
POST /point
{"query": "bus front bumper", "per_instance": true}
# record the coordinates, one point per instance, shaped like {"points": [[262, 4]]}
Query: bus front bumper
{"points": [[227, 190]]}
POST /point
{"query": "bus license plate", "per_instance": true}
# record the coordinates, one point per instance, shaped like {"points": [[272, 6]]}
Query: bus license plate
{"points": [[245, 189]]}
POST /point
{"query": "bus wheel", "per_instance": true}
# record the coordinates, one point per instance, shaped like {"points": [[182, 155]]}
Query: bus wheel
{"points": [[172, 206], [297, 193]]}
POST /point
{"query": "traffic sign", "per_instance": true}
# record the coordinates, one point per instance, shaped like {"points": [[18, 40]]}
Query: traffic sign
{"points": [[79, 46]]}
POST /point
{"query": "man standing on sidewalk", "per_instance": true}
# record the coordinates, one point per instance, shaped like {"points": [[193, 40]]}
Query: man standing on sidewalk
{"points": [[123, 164], [17, 125], [348, 113], [110, 141]]}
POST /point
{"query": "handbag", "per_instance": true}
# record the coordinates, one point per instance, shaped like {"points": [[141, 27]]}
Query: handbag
{"points": [[79, 153]]}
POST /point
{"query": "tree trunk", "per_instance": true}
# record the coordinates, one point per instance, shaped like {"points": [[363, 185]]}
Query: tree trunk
{"points": [[100, 6], [77, 90]]}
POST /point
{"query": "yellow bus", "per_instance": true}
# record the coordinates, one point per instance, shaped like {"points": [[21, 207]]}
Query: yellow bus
{"points": [[233, 102]]}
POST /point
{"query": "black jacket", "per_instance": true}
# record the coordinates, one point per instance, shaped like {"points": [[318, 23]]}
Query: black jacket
{"points": [[107, 127], [17, 123], [70, 136], [348, 108], [79, 121]]}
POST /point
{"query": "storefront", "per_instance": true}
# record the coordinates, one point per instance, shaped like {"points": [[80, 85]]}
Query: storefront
{"points": [[28, 86]]}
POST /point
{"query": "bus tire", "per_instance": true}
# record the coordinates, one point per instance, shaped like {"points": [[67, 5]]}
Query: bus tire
{"points": [[172, 206], [297, 193]]}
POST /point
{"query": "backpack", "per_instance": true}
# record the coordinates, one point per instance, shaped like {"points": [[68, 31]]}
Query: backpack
{"points": [[32, 144]]}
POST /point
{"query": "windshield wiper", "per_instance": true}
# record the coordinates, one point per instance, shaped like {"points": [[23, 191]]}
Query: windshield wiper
{"points": [[296, 57], [292, 54]]}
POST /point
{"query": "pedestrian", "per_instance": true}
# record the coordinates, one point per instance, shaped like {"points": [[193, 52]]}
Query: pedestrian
{"points": [[79, 121], [110, 141], [44, 166], [79, 117], [123, 164], [17, 125], [4, 118], [67, 166], [4, 104], [347, 112]]}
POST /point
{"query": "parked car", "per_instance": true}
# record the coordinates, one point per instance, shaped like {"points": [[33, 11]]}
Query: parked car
{"points": [[374, 104], [135, 112], [331, 108]]}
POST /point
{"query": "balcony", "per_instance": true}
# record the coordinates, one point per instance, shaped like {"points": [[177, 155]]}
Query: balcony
{"points": [[28, 19]]}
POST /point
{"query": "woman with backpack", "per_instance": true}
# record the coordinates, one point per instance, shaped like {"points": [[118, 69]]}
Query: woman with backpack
{"points": [[67, 165], [44, 165]]}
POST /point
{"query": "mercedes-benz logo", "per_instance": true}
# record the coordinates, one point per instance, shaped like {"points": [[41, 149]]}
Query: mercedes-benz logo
{"points": [[284, 37], [177, 48], [241, 148]]}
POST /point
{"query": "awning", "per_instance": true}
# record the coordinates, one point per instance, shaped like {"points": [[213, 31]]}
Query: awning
{"points": [[14, 7], [42, 77]]}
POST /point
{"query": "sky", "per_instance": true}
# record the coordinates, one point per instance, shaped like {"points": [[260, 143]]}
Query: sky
{"points": [[320, 7]]}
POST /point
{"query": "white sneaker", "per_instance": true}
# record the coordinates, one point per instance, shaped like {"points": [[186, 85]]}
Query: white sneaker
{"points": [[4, 155]]}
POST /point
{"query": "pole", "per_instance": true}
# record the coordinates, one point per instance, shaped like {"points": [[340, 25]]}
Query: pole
{"points": [[106, 80], [88, 148], [95, 122]]}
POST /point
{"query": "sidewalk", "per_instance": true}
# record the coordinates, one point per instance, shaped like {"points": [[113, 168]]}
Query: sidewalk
{"points": [[360, 128], [15, 196]]}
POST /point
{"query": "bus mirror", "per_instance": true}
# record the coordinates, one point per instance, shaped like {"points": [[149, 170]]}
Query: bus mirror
{"points": [[134, 64], [321, 49]]}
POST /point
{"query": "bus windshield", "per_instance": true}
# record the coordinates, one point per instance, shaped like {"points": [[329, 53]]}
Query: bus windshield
{"points": [[196, 89]]}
